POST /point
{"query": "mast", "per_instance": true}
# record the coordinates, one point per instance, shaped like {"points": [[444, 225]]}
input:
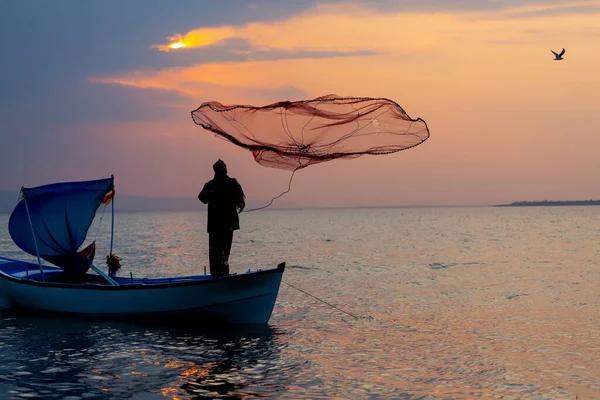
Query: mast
{"points": [[112, 223], [37, 250], [112, 234]]}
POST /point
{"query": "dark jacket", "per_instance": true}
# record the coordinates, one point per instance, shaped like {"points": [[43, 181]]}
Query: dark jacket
{"points": [[226, 194]]}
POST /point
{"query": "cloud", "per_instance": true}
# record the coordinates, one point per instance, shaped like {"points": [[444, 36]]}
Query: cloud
{"points": [[299, 32], [198, 38], [463, 6], [542, 11], [380, 27], [53, 134], [84, 94], [190, 91], [83, 101], [325, 29], [45, 45], [325, 47]]}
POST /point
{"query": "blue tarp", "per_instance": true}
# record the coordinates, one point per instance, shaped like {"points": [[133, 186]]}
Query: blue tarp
{"points": [[61, 214]]}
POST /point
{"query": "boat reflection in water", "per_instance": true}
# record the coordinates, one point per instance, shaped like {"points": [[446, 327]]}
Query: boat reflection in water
{"points": [[51, 357]]}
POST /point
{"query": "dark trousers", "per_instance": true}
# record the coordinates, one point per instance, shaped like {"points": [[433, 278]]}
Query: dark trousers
{"points": [[219, 247]]}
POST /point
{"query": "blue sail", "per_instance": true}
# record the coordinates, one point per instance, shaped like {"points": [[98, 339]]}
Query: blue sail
{"points": [[61, 214]]}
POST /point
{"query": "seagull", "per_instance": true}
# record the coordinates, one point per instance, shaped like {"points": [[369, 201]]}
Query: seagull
{"points": [[558, 57]]}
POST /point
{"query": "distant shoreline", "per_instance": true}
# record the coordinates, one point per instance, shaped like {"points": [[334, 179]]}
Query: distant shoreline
{"points": [[548, 203], [139, 204]]}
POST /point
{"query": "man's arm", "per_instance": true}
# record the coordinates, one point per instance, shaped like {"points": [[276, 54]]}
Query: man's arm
{"points": [[241, 197], [206, 194]]}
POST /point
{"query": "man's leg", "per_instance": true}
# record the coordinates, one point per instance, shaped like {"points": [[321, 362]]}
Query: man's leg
{"points": [[215, 252], [227, 240]]}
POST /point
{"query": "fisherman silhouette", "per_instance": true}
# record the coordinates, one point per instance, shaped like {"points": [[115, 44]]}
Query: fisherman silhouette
{"points": [[225, 199]]}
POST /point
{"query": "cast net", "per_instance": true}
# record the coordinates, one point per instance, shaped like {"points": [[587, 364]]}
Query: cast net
{"points": [[293, 135]]}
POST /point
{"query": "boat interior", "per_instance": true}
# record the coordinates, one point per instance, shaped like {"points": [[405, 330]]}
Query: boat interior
{"points": [[31, 271]]}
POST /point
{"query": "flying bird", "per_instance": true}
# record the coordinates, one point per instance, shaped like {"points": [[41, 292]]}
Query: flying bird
{"points": [[558, 57]]}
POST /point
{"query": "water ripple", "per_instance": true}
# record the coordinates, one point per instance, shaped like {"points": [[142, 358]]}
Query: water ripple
{"points": [[451, 303]]}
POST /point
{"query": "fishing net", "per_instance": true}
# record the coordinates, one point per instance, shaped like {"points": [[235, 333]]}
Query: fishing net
{"points": [[293, 135]]}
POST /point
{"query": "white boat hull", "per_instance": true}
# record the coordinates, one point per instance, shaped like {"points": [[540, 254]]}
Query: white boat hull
{"points": [[245, 298]]}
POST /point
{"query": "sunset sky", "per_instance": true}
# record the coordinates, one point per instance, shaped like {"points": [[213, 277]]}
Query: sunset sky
{"points": [[93, 88]]}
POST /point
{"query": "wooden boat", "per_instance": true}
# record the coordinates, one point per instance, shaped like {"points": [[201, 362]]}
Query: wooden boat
{"points": [[52, 221]]}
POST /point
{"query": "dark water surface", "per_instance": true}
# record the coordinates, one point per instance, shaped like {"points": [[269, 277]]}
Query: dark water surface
{"points": [[452, 303]]}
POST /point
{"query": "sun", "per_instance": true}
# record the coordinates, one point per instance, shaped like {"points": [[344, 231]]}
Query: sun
{"points": [[177, 45]]}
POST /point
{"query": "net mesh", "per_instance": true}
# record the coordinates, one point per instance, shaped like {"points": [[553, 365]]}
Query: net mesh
{"points": [[293, 135]]}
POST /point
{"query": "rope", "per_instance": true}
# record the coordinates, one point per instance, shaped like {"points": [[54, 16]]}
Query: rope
{"points": [[322, 301], [276, 197]]}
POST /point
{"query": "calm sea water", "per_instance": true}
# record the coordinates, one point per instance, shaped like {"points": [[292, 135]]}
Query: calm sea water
{"points": [[451, 303]]}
